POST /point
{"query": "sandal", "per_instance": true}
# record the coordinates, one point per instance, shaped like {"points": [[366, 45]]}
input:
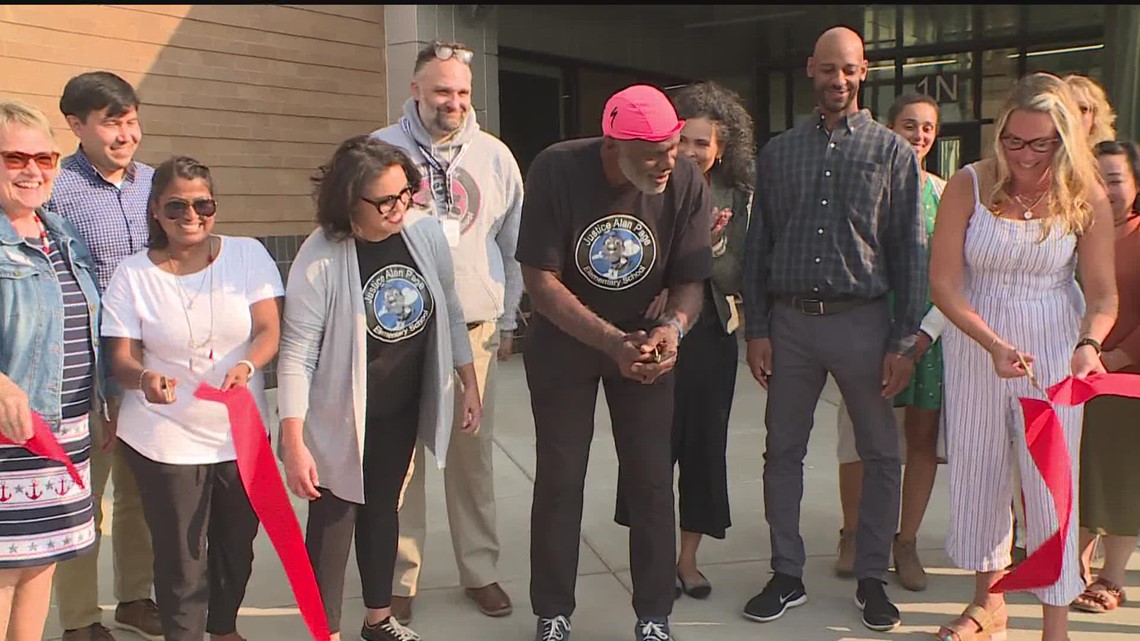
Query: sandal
{"points": [[975, 624], [1101, 596]]}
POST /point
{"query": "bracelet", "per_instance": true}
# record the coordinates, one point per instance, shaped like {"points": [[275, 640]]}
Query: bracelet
{"points": [[141, 375], [1091, 342], [248, 364], [680, 328]]}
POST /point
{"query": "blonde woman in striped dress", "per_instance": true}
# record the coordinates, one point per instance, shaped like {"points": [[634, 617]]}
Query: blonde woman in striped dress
{"points": [[1011, 233]]}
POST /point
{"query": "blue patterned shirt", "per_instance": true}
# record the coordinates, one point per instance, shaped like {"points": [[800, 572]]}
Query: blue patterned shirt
{"points": [[111, 220], [837, 214]]}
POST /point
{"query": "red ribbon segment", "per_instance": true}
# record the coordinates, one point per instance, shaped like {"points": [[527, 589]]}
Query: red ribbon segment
{"points": [[266, 492], [44, 444], [1046, 441]]}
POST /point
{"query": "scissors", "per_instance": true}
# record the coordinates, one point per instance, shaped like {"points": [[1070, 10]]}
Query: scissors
{"points": [[1028, 371]]}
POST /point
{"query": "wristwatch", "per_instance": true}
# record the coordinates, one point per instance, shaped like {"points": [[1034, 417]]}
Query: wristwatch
{"points": [[1091, 342]]}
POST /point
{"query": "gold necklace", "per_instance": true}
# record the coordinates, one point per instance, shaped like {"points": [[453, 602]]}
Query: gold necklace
{"points": [[192, 344], [1028, 213]]}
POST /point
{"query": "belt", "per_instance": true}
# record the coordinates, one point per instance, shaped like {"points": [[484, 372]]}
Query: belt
{"points": [[471, 326], [823, 307]]}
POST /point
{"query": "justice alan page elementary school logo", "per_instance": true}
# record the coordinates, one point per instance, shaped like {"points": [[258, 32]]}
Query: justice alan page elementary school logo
{"points": [[616, 252], [397, 303]]}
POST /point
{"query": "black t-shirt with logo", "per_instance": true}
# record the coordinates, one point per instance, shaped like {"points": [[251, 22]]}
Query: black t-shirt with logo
{"points": [[399, 311], [614, 247]]}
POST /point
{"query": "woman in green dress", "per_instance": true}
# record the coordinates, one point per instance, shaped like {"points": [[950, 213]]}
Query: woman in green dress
{"points": [[915, 117]]}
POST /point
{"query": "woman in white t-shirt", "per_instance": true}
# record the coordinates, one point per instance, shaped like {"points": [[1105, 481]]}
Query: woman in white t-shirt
{"points": [[193, 308]]}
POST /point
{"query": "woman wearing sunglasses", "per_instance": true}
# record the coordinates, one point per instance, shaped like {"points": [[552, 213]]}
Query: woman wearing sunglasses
{"points": [[193, 308], [373, 332], [48, 347]]}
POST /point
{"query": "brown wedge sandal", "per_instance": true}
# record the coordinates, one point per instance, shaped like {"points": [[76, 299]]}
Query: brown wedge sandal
{"points": [[976, 624], [1101, 596]]}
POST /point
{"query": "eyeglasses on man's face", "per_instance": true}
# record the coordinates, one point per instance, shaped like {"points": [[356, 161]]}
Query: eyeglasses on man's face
{"points": [[1038, 145], [387, 205]]}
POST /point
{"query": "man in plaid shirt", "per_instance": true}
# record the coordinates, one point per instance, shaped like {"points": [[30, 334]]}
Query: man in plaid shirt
{"points": [[836, 224], [103, 191]]}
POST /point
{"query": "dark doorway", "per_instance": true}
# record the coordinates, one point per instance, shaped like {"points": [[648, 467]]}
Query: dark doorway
{"points": [[530, 113], [958, 144]]}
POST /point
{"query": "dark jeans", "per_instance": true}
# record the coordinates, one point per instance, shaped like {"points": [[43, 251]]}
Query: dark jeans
{"points": [[702, 399], [851, 346], [563, 376], [388, 446], [202, 528]]}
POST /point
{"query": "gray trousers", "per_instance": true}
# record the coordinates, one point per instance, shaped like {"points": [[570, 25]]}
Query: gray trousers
{"points": [[850, 346]]}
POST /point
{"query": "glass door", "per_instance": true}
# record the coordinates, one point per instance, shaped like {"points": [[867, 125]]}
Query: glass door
{"points": [[958, 144]]}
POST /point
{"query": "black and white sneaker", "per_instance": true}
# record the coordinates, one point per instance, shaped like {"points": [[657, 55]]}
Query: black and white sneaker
{"points": [[387, 630], [555, 629], [879, 614], [647, 630], [782, 592]]}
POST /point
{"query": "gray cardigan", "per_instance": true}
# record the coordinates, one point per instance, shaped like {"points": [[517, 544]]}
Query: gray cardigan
{"points": [[321, 370]]}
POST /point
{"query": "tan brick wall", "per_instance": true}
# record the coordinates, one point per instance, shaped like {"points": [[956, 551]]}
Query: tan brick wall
{"points": [[260, 93]]}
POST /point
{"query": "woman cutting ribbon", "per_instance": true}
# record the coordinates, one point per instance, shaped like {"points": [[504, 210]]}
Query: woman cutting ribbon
{"points": [[1010, 233], [193, 308]]}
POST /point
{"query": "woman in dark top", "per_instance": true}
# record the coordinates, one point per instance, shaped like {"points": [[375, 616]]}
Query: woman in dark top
{"points": [[718, 137]]}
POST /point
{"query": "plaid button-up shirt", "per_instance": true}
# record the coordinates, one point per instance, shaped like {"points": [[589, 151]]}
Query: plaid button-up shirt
{"points": [[112, 220], [836, 214]]}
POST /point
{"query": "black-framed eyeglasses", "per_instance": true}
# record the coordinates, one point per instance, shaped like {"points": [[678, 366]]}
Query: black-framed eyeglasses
{"points": [[447, 52], [386, 206], [176, 208], [1039, 145]]}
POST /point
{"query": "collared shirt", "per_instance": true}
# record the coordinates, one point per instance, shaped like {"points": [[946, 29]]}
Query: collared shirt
{"points": [[111, 219], [836, 214]]}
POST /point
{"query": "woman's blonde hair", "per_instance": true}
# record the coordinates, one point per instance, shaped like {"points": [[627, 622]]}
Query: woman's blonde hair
{"points": [[1074, 171], [1104, 117], [15, 112]]}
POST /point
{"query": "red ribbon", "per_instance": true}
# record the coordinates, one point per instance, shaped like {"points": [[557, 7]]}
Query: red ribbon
{"points": [[1046, 441], [266, 491], [44, 444]]}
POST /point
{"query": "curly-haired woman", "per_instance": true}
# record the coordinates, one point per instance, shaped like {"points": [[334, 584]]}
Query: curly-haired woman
{"points": [[1096, 112], [718, 138]]}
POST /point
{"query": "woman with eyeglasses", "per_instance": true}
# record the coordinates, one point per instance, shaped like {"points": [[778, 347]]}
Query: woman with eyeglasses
{"points": [[373, 334], [49, 310], [1011, 232], [194, 307], [1110, 478]]}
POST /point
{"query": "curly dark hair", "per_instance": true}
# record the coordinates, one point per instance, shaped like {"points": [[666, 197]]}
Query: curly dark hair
{"points": [[183, 167], [339, 184], [733, 128]]}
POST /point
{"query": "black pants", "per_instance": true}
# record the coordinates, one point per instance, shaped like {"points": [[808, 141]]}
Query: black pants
{"points": [[202, 528], [563, 376], [702, 400], [388, 446]]}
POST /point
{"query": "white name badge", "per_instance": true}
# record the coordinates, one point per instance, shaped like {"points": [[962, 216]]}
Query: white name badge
{"points": [[451, 229]]}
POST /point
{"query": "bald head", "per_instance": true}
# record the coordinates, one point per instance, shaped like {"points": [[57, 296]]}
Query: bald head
{"points": [[837, 67]]}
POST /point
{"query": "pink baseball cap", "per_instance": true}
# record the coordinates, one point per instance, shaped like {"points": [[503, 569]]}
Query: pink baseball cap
{"points": [[640, 112]]}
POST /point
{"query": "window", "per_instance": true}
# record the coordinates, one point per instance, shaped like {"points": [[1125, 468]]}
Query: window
{"points": [[931, 24], [1043, 19], [879, 27], [947, 79], [777, 101], [1086, 60], [1001, 19], [999, 72]]}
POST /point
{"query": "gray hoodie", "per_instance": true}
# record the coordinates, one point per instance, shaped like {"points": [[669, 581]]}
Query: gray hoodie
{"points": [[482, 223]]}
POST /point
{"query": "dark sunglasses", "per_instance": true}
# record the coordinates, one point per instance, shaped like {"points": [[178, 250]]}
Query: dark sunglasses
{"points": [[386, 206], [204, 207], [1040, 145], [16, 160], [447, 52]]}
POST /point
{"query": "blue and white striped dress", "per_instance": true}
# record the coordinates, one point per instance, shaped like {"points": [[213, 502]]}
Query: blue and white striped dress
{"points": [[44, 517], [1025, 289]]}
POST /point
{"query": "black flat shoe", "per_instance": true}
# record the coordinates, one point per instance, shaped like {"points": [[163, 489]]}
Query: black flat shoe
{"points": [[699, 590]]}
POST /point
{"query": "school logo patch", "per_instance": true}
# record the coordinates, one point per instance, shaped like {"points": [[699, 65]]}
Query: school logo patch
{"points": [[616, 252], [397, 303], [466, 201]]}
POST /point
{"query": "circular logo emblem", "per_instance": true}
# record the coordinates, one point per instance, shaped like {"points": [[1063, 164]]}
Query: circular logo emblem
{"points": [[465, 196], [616, 252], [397, 303]]}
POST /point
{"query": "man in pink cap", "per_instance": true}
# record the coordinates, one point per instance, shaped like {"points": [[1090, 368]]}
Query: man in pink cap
{"points": [[606, 224]]}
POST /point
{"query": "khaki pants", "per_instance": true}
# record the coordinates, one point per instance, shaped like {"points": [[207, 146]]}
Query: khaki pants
{"points": [[468, 486], [77, 580]]}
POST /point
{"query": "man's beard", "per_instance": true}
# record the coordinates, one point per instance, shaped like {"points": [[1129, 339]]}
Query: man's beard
{"points": [[645, 184]]}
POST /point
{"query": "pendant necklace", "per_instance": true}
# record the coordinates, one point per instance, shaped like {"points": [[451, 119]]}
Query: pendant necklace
{"points": [[1028, 215], [195, 345]]}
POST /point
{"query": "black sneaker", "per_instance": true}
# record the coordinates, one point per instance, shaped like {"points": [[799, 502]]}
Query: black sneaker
{"points": [[879, 614], [782, 592], [647, 630], [387, 630], [556, 629]]}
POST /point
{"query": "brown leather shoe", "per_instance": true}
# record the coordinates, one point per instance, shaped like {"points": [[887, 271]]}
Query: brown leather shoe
{"points": [[402, 609], [491, 599], [912, 576], [93, 632], [845, 558], [140, 617]]}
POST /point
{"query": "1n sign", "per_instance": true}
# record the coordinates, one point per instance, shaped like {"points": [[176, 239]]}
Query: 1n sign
{"points": [[943, 88]]}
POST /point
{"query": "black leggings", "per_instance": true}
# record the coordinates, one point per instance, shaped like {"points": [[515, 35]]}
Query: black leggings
{"points": [[388, 446]]}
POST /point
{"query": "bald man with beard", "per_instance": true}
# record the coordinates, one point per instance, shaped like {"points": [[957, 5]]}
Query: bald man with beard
{"points": [[836, 224]]}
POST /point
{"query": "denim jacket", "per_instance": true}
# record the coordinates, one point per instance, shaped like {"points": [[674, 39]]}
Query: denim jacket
{"points": [[31, 314]]}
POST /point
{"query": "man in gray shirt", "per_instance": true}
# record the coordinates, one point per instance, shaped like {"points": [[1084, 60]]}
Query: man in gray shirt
{"points": [[836, 224]]}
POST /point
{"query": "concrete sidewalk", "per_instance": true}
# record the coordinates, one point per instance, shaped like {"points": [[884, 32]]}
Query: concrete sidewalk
{"points": [[737, 567]]}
